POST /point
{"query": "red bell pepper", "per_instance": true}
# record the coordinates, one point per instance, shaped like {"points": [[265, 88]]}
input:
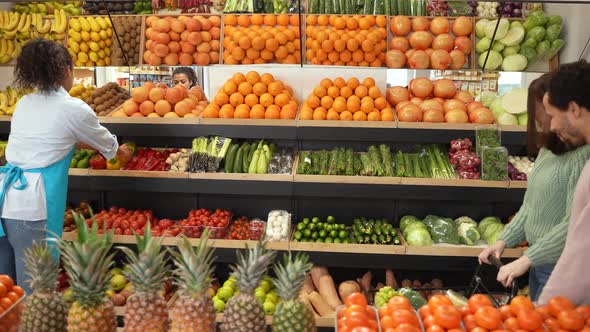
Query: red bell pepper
{"points": [[98, 162]]}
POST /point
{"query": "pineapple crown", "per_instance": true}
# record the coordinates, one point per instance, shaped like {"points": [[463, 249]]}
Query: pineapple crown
{"points": [[194, 265], [87, 262], [146, 269], [290, 275], [252, 265], [41, 268]]}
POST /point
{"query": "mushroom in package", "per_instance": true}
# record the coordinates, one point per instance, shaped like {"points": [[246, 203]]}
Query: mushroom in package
{"points": [[278, 225]]}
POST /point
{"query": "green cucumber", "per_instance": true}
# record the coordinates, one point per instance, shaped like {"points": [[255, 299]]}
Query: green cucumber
{"points": [[230, 158], [239, 159], [245, 162], [253, 149]]}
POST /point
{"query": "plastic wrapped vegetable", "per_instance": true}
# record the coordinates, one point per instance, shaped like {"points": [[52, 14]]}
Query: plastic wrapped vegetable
{"points": [[444, 231], [465, 220], [492, 233], [416, 300], [485, 222], [468, 234], [406, 220], [418, 236]]}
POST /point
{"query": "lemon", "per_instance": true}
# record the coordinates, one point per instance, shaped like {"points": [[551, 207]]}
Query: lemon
{"points": [[74, 46], [103, 34], [108, 42], [102, 44], [89, 63], [75, 24], [75, 35], [107, 51], [101, 22], [100, 62], [93, 56], [109, 33], [108, 22], [84, 25], [101, 54], [84, 47], [94, 46], [95, 36], [82, 57], [85, 35], [107, 61]]}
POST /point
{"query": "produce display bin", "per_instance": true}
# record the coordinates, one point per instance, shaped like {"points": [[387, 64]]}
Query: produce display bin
{"points": [[257, 228], [342, 308], [10, 318]]}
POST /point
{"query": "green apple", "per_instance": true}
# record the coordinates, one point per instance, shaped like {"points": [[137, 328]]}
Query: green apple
{"points": [[272, 297], [229, 283], [116, 271], [269, 308], [225, 293], [118, 282], [219, 305], [265, 285]]}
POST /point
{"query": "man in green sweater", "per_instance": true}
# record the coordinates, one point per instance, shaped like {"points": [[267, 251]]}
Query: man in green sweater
{"points": [[543, 218]]}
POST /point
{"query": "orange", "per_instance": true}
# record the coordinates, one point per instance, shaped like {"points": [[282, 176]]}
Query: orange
{"points": [[283, 19], [339, 104], [327, 102], [359, 116], [256, 112], [294, 20], [361, 91], [367, 107], [226, 113], [313, 101], [236, 99], [281, 38], [282, 99], [238, 78], [380, 103], [245, 88], [381, 21], [306, 114], [339, 45], [387, 115], [333, 92], [320, 114], [210, 112], [230, 87], [345, 91], [332, 115], [339, 82], [369, 82], [230, 19], [327, 46], [257, 19], [346, 116], [352, 24], [238, 53], [258, 43], [353, 104], [266, 99], [221, 99], [339, 23], [270, 20], [326, 83], [323, 20], [251, 54], [353, 83], [281, 53], [242, 112], [345, 56], [275, 88], [245, 42], [358, 56], [289, 111], [266, 55], [352, 45], [259, 89], [364, 23], [251, 99], [243, 21], [272, 112], [319, 91]]}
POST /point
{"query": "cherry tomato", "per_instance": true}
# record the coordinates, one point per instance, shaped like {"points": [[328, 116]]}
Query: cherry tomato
{"points": [[488, 317]]}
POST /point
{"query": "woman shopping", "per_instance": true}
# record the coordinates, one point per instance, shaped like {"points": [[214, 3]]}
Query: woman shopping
{"points": [[185, 76], [543, 218], [45, 129]]}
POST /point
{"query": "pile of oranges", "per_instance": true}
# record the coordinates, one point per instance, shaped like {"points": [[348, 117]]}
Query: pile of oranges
{"points": [[257, 39], [184, 40], [346, 100], [253, 96], [346, 40], [9, 295]]}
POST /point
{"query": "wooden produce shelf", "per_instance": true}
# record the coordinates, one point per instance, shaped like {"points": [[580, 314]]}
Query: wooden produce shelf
{"points": [[347, 124], [343, 179], [138, 174], [518, 184], [348, 248], [150, 121], [241, 177], [443, 126], [454, 183]]}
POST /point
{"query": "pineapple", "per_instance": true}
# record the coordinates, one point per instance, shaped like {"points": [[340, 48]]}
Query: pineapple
{"points": [[244, 312], [192, 310], [292, 315], [87, 262], [146, 309], [45, 309]]}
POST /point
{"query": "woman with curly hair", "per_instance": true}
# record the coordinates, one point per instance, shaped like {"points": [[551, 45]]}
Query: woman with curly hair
{"points": [[184, 76], [46, 127]]}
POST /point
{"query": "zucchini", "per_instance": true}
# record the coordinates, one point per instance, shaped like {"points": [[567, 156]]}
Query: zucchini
{"points": [[230, 158], [246, 153], [237, 167]]}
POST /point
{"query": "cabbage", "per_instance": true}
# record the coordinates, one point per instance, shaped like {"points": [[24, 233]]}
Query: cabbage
{"points": [[468, 234], [529, 42], [514, 37], [507, 119], [536, 33], [536, 18], [413, 226], [418, 237], [492, 233], [480, 28], [494, 60], [516, 24], [514, 62], [554, 20], [485, 222], [553, 32], [556, 45], [502, 28], [510, 50], [529, 53], [498, 47], [487, 98], [406, 220], [465, 220], [483, 45], [543, 49], [497, 108], [515, 101], [523, 119]]}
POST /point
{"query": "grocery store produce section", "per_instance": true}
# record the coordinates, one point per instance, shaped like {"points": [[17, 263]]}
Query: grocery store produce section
{"points": [[295, 186]]}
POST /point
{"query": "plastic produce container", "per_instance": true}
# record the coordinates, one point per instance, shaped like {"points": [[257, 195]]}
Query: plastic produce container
{"points": [[487, 136], [342, 308], [10, 319], [193, 232], [278, 225], [494, 164], [257, 229]]}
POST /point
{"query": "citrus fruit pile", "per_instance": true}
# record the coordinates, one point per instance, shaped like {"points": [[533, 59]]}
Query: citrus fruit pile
{"points": [[422, 43], [184, 40], [253, 96], [346, 100], [346, 40], [89, 41], [257, 39], [154, 101], [9, 295]]}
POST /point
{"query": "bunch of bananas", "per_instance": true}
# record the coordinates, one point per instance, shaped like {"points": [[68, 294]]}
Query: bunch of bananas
{"points": [[47, 7], [9, 98], [81, 91], [16, 29], [90, 40]]}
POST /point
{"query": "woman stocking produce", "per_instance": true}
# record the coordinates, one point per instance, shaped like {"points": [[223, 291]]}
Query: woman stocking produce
{"points": [[45, 128], [543, 218], [184, 76]]}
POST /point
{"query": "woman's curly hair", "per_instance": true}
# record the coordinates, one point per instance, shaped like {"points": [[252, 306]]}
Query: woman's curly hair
{"points": [[189, 72], [42, 65]]}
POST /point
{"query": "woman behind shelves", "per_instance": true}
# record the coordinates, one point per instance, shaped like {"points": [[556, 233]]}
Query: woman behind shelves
{"points": [[185, 76], [45, 129], [543, 218]]}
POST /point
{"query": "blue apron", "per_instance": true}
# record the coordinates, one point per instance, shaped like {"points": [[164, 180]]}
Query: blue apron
{"points": [[55, 179]]}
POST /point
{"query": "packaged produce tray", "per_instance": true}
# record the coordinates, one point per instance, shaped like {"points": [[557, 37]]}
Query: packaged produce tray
{"points": [[342, 308], [10, 319]]}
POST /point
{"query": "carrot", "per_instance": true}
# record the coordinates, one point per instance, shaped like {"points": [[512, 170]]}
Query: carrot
{"points": [[390, 279], [328, 291], [319, 304], [348, 287], [307, 285], [316, 273]]}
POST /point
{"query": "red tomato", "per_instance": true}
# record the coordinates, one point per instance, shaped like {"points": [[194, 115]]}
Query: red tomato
{"points": [[438, 300], [477, 301], [424, 311], [511, 324], [520, 303], [356, 298], [465, 311], [399, 302], [469, 322], [529, 320], [568, 320], [559, 304], [488, 317], [404, 316], [506, 312], [584, 310], [447, 316]]}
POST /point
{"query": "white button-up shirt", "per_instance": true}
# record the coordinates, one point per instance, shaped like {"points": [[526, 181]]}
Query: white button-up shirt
{"points": [[44, 129]]}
